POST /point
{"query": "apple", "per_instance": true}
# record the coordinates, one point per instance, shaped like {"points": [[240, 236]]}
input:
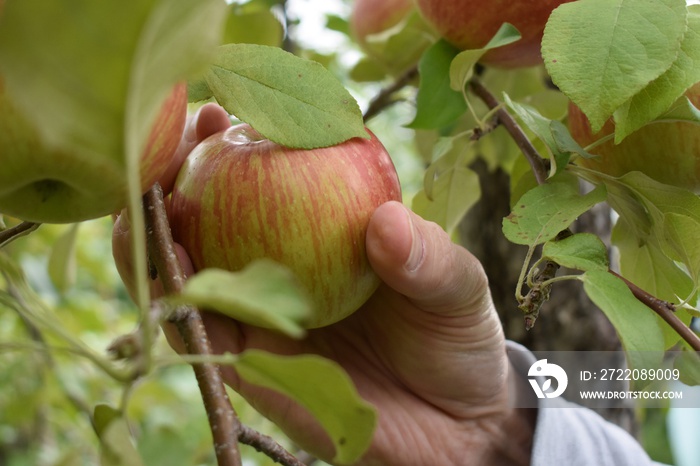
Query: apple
{"points": [[240, 197], [42, 184], [392, 35], [470, 24], [668, 152], [370, 17]]}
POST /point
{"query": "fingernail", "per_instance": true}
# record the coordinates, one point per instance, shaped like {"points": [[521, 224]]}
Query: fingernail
{"points": [[415, 258]]}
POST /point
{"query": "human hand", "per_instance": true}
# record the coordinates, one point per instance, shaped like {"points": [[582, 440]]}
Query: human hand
{"points": [[427, 350]]}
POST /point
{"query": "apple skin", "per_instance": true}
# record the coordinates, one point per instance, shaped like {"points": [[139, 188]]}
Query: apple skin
{"points": [[40, 184], [240, 197], [668, 152], [470, 24], [374, 16]]}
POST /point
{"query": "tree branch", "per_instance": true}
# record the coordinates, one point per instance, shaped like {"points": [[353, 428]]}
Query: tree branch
{"points": [[269, 446], [509, 123], [11, 234], [226, 428], [224, 423], [665, 310], [384, 98]]}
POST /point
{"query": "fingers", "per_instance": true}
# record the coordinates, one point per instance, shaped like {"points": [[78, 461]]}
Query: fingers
{"points": [[209, 119], [417, 258]]}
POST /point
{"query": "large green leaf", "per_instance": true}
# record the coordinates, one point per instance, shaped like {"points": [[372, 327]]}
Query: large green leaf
{"points": [[643, 263], [601, 53], [635, 323], [660, 94], [62, 265], [546, 210], [453, 193], [462, 66], [253, 23], [116, 446], [582, 251], [289, 100], [437, 104], [92, 75], [264, 293], [324, 389]]}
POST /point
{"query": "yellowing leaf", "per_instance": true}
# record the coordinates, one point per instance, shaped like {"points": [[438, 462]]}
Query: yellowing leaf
{"points": [[264, 293], [324, 389]]}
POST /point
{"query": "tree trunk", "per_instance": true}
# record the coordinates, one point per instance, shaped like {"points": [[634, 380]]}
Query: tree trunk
{"points": [[569, 321]]}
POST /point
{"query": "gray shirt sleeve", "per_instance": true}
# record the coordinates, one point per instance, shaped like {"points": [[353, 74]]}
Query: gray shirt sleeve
{"points": [[569, 434]]}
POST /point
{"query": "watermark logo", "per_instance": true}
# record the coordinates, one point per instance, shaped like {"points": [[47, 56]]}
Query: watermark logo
{"points": [[549, 371]]}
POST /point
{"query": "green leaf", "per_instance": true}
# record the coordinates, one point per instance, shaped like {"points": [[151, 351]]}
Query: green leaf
{"points": [[198, 90], [565, 142], [252, 23], [643, 263], [582, 251], [437, 104], [542, 127], [660, 94], [264, 293], [546, 210], [601, 53], [62, 263], [635, 323], [688, 365], [116, 445], [289, 100], [681, 241], [110, 67], [462, 66], [451, 196], [324, 389], [682, 110], [402, 46]]}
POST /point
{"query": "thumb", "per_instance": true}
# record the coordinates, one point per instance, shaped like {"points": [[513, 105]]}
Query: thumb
{"points": [[418, 259]]}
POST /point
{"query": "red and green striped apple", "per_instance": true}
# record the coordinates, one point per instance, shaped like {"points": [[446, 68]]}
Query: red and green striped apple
{"points": [[240, 197]]}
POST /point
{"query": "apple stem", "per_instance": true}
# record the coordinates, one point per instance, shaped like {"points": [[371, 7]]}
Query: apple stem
{"points": [[226, 427]]}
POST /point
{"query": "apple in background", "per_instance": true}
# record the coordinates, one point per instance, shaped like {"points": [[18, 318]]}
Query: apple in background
{"points": [[668, 152], [374, 16], [391, 33], [240, 197], [40, 184], [470, 24]]}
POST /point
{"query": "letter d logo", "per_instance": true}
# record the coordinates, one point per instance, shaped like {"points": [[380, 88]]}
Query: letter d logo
{"points": [[550, 371]]}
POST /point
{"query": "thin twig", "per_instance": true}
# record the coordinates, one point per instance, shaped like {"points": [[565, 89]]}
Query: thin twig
{"points": [[384, 98], [665, 310], [224, 423], [11, 234], [269, 446], [509, 123], [539, 293]]}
